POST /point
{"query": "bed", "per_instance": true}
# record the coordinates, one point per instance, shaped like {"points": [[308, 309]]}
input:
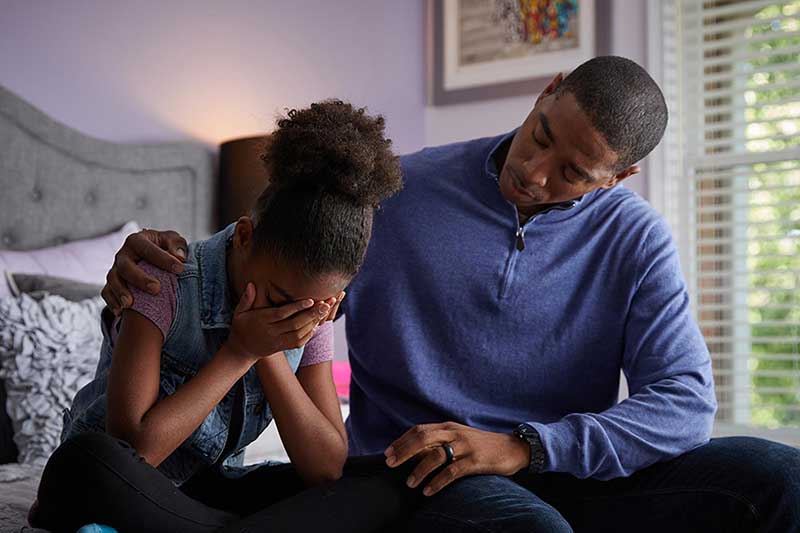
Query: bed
{"points": [[59, 185]]}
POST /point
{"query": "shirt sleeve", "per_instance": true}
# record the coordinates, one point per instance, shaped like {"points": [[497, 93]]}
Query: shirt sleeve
{"points": [[159, 308], [320, 348], [671, 405]]}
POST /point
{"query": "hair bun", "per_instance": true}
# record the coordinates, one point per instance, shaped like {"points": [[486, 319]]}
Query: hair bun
{"points": [[333, 145]]}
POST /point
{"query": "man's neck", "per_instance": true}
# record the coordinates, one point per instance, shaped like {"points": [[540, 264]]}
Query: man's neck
{"points": [[526, 213]]}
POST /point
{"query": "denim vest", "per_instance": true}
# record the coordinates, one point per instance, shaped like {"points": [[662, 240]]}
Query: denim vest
{"points": [[201, 324]]}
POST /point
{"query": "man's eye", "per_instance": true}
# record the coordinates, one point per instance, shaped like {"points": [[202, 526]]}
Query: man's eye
{"points": [[537, 141], [567, 177]]}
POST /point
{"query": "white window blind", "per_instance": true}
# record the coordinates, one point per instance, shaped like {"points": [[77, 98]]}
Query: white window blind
{"points": [[727, 178]]}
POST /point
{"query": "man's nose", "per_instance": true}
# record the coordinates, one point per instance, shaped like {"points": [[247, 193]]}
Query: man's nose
{"points": [[536, 171]]}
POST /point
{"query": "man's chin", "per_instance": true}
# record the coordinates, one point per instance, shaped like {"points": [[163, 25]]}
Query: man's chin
{"points": [[517, 197], [531, 200]]}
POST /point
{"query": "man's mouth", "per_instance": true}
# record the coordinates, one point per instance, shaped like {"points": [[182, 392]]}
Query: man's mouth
{"points": [[516, 183]]}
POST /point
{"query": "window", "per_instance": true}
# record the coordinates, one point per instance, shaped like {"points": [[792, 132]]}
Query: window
{"points": [[727, 178]]}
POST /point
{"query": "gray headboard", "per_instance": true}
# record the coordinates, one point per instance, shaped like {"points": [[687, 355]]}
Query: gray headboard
{"points": [[58, 185]]}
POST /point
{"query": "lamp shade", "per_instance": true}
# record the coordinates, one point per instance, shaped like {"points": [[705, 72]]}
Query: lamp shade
{"points": [[242, 176]]}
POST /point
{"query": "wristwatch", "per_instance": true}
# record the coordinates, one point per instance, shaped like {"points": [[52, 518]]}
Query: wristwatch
{"points": [[531, 436]]}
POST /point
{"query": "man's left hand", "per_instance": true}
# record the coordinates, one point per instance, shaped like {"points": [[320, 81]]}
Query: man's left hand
{"points": [[474, 452]]}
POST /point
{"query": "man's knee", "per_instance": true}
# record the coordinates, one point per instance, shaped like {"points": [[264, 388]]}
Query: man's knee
{"points": [[777, 469], [487, 503], [769, 474]]}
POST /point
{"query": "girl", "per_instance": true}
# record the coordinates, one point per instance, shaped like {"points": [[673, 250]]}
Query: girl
{"points": [[191, 376]]}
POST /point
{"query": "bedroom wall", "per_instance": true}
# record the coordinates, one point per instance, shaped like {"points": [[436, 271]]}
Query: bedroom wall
{"points": [[149, 71], [445, 124], [208, 70]]}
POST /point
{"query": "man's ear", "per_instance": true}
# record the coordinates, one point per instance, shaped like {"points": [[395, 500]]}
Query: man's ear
{"points": [[243, 234], [628, 172], [551, 87]]}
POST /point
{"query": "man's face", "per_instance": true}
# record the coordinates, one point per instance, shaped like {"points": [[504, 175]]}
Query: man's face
{"points": [[557, 155]]}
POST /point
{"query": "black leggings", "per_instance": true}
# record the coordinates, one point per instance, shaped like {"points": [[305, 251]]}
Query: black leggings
{"points": [[96, 478]]}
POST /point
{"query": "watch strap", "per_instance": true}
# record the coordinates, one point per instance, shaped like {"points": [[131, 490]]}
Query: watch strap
{"points": [[529, 434]]}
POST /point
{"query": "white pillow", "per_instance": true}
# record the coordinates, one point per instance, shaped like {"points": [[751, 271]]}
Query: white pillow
{"points": [[87, 260]]}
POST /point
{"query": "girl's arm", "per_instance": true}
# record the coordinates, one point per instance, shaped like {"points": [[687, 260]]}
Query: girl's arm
{"points": [[156, 428], [306, 411]]}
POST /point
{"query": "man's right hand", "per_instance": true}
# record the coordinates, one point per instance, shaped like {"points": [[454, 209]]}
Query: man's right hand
{"points": [[163, 249]]}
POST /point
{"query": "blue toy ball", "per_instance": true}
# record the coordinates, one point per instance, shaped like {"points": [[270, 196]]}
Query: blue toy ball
{"points": [[96, 528]]}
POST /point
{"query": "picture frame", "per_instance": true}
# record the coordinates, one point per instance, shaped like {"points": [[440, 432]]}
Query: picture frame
{"points": [[467, 62]]}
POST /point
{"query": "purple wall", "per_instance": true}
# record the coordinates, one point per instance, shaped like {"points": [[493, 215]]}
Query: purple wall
{"points": [[210, 70]]}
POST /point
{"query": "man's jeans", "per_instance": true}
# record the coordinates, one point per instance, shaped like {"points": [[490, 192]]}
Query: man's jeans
{"points": [[730, 484]]}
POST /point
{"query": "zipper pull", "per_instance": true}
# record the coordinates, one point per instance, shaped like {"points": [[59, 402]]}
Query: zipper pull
{"points": [[520, 239]]}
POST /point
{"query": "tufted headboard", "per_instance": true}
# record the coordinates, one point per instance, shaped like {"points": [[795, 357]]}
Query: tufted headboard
{"points": [[58, 185]]}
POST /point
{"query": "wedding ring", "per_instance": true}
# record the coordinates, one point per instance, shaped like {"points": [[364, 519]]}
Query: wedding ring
{"points": [[448, 452]]}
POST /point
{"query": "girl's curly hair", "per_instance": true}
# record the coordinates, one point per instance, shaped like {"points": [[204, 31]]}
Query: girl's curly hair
{"points": [[329, 166]]}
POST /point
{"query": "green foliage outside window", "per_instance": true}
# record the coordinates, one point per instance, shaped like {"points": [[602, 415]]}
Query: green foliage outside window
{"points": [[773, 233]]}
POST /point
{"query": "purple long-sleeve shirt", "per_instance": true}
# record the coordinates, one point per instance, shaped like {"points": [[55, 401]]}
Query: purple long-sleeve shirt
{"points": [[449, 321]]}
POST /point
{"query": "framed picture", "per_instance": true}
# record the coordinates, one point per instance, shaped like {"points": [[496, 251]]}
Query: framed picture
{"points": [[484, 49]]}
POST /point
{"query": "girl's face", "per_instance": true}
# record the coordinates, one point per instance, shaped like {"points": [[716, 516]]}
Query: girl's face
{"points": [[276, 283]]}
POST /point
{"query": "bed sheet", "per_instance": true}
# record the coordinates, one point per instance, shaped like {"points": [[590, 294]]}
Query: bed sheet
{"points": [[18, 484]]}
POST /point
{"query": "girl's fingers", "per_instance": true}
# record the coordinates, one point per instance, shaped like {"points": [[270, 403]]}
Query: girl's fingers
{"points": [[247, 299], [307, 331], [300, 320], [273, 315], [296, 339], [335, 308]]}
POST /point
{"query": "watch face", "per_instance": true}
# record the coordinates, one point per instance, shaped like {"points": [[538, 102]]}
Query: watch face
{"points": [[525, 432]]}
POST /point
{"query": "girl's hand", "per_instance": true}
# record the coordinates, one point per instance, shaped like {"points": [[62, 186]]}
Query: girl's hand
{"points": [[334, 303], [257, 333]]}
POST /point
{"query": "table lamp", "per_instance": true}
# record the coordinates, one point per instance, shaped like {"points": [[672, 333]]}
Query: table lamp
{"points": [[242, 177]]}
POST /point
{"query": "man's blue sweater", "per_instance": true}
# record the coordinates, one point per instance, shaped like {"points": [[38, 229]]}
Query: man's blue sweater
{"points": [[450, 321]]}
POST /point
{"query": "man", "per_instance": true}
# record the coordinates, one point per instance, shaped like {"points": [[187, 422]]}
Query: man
{"points": [[504, 289]]}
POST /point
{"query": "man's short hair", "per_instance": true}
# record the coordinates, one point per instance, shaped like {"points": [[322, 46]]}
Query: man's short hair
{"points": [[623, 103]]}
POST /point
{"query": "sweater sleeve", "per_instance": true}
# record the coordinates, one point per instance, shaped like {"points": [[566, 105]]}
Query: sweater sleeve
{"points": [[671, 405]]}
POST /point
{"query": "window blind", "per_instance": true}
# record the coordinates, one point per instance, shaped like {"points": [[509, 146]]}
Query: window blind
{"points": [[729, 171]]}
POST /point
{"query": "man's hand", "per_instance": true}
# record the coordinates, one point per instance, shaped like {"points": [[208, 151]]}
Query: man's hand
{"points": [[163, 249], [475, 452]]}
